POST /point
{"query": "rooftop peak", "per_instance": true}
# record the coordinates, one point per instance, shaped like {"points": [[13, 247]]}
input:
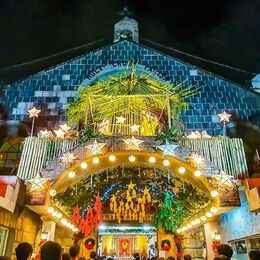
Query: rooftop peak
{"points": [[127, 27]]}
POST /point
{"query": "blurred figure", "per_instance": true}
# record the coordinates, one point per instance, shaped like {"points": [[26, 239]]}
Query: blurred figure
{"points": [[93, 255], [187, 257], [225, 250], [136, 256], [74, 252], [23, 251], [171, 258], [221, 257], [254, 255], [51, 251], [65, 256], [82, 258]]}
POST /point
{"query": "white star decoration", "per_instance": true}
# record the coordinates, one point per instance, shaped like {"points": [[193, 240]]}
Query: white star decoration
{"points": [[198, 159], [133, 143], [168, 148], [134, 128], [198, 135], [37, 182], [59, 133], [193, 135], [34, 112], [96, 148], [204, 134], [65, 128], [68, 157], [224, 116], [44, 134], [120, 119], [224, 179]]}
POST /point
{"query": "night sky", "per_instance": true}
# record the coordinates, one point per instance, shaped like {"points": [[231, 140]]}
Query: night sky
{"points": [[227, 31]]}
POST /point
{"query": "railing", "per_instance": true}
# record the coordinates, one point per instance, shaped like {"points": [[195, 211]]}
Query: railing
{"points": [[38, 152], [225, 153]]}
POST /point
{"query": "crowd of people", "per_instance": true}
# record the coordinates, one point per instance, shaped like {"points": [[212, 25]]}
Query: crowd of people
{"points": [[225, 252], [53, 251]]}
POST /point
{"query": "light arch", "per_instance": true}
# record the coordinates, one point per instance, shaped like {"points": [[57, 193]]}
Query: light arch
{"points": [[141, 157]]}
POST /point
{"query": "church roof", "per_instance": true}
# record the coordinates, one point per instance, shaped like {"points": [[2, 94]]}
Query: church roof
{"points": [[15, 72]]}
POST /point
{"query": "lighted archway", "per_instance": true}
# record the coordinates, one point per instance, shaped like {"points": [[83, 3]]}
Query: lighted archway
{"points": [[138, 157]]}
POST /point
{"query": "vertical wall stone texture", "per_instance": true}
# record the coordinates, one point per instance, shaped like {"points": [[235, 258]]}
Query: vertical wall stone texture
{"points": [[248, 222], [52, 89], [25, 226]]}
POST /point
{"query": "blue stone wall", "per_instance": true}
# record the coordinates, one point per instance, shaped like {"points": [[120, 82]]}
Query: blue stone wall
{"points": [[52, 89]]}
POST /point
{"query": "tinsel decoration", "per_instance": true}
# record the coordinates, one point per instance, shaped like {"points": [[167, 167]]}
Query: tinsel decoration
{"points": [[170, 215]]}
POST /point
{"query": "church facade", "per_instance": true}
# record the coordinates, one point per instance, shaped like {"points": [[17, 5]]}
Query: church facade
{"points": [[52, 89]]}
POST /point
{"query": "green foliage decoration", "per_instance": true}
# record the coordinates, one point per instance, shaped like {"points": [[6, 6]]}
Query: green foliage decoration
{"points": [[171, 214], [172, 134], [87, 134], [128, 92]]}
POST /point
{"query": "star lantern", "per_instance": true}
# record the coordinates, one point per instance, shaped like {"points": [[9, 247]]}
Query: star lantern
{"points": [[133, 143], [68, 158], [92, 218], [131, 186], [205, 135], [59, 134], [131, 207], [33, 112], [96, 148], [44, 134], [224, 117], [193, 135], [120, 119], [65, 128], [168, 148], [224, 179], [37, 182], [134, 128]]}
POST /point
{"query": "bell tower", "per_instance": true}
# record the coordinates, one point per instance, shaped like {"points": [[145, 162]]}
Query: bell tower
{"points": [[126, 28]]}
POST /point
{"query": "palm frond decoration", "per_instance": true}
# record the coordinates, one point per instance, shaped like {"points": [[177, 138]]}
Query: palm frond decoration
{"points": [[132, 95]]}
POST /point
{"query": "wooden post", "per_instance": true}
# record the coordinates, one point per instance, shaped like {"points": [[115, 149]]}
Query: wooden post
{"points": [[169, 112]]}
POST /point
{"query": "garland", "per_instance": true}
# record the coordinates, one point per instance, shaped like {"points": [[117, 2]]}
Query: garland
{"points": [[170, 215]]}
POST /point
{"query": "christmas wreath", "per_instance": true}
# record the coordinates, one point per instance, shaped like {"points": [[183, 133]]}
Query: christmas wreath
{"points": [[90, 243], [166, 245]]}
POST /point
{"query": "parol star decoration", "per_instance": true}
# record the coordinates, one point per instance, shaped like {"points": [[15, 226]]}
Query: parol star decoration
{"points": [[96, 148], [224, 116], [120, 119], [133, 143], [68, 158], [193, 135], [65, 128], [168, 148], [37, 182], [224, 179], [59, 133], [197, 135], [34, 112], [134, 128], [44, 134]]}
